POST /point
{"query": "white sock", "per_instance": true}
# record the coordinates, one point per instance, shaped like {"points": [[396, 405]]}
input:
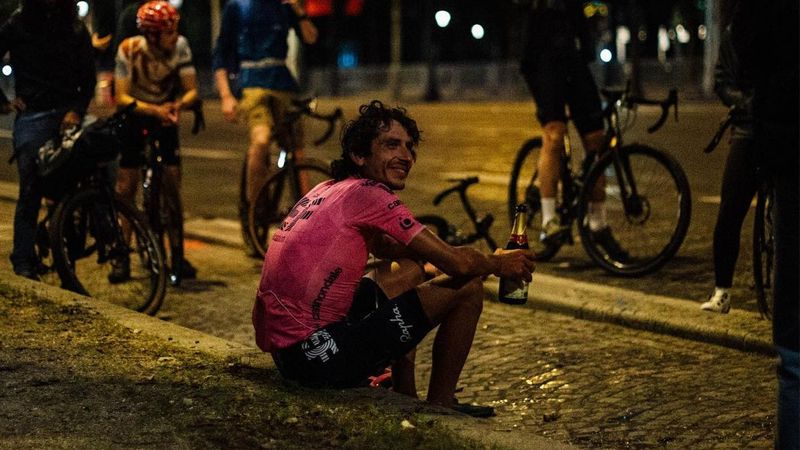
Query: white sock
{"points": [[720, 291], [597, 216], [548, 210]]}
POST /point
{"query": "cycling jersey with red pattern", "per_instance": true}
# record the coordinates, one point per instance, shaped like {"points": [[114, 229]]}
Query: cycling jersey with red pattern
{"points": [[316, 259]]}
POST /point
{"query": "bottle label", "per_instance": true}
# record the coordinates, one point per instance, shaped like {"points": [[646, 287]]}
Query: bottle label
{"points": [[517, 241], [519, 294]]}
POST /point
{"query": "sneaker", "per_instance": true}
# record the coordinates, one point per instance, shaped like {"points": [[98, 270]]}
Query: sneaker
{"points": [[473, 410], [606, 240], [188, 271], [27, 272], [553, 232], [718, 302], [120, 271]]}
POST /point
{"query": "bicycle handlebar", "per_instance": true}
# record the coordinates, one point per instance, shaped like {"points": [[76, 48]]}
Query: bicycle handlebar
{"points": [[672, 99], [331, 118], [723, 126], [463, 184]]}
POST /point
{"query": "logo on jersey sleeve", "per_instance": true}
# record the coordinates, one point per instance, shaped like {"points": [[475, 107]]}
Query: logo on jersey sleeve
{"points": [[320, 345], [406, 223]]}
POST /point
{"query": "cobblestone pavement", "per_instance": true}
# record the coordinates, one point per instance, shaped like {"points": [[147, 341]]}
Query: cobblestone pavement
{"points": [[591, 384], [603, 386]]}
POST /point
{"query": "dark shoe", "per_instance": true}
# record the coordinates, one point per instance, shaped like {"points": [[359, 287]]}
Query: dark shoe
{"points": [[188, 271], [553, 233], [120, 271], [27, 272], [473, 410], [606, 240]]}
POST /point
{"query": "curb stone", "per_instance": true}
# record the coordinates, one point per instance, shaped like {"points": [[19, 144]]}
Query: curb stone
{"points": [[741, 330]]}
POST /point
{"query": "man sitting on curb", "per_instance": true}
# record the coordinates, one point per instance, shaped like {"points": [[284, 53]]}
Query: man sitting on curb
{"points": [[325, 322]]}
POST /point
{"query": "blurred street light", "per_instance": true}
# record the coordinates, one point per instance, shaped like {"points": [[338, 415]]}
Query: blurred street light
{"points": [[442, 18], [477, 31], [83, 9], [7, 71]]}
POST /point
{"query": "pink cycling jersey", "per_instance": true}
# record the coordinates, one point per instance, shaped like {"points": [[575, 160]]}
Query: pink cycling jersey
{"points": [[316, 259]]}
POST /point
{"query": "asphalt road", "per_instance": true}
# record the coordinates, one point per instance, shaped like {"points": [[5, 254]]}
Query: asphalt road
{"points": [[462, 139]]}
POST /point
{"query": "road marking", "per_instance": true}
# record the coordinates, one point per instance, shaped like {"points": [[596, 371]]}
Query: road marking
{"points": [[210, 153], [716, 200]]}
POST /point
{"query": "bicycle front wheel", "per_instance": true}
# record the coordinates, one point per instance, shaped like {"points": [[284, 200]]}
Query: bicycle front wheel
{"points": [[523, 188], [88, 244], [763, 252], [647, 210], [277, 197]]}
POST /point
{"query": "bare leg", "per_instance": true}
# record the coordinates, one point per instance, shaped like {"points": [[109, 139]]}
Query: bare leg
{"points": [[258, 160], [592, 142], [550, 158], [127, 185], [455, 304]]}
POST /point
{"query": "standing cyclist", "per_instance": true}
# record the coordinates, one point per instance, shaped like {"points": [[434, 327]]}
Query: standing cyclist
{"points": [[150, 70], [555, 66], [739, 181], [51, 53], [252, 47]]}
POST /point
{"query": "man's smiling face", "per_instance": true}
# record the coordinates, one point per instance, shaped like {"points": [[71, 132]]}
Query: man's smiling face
{"points": [[392, 155]]}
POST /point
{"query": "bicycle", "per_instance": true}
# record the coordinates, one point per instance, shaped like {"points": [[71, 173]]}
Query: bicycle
{"points": [[83, 231], [161, 201], [285, 186], [448, 231], [763, 230], [648, 200]]}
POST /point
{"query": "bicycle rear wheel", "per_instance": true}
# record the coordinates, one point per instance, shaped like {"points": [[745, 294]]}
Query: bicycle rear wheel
{"points": [[648, 209], [763, 251], [87, 241], [277, 197], [523, 188]]}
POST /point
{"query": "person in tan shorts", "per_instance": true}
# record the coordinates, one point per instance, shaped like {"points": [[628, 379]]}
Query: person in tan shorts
{"points": [[251, 49]]}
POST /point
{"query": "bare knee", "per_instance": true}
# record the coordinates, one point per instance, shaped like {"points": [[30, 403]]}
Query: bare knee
{"points": [[260, 136], [472, 295], [554, 132]]}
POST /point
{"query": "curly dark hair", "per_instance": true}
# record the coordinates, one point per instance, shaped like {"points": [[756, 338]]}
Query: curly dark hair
{"points": [[357, 135]]}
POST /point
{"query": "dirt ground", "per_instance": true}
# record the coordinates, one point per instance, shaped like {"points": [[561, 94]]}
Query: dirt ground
{"points": [[71, 378]]}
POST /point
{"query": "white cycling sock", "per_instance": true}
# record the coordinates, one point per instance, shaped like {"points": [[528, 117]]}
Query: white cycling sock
{"points": [[720, 292], [597, 216], [548, 210]]}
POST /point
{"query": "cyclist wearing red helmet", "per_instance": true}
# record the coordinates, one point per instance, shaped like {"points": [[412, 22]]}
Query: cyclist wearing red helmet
{"points": [[154, 70]]}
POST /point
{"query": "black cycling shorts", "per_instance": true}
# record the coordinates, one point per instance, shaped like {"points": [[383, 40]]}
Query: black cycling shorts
{"points": [[561, 78], [133, 134], [346, 353]]}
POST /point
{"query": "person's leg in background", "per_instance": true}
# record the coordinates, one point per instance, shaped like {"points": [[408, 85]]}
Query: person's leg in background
{"points": [[739, 184], [31, 131]]}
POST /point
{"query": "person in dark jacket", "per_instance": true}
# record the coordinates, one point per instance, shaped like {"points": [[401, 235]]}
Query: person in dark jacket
{"points": [[739, 180], [51, 55], [765, 35]]}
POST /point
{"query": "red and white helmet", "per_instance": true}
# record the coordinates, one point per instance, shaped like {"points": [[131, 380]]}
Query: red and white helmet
{"points": [[157, 16]]}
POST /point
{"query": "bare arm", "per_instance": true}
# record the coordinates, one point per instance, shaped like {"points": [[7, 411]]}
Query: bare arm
{"points": [[308, 32], [229, 102], [122, 87], [189, 86], [468, 261]]}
